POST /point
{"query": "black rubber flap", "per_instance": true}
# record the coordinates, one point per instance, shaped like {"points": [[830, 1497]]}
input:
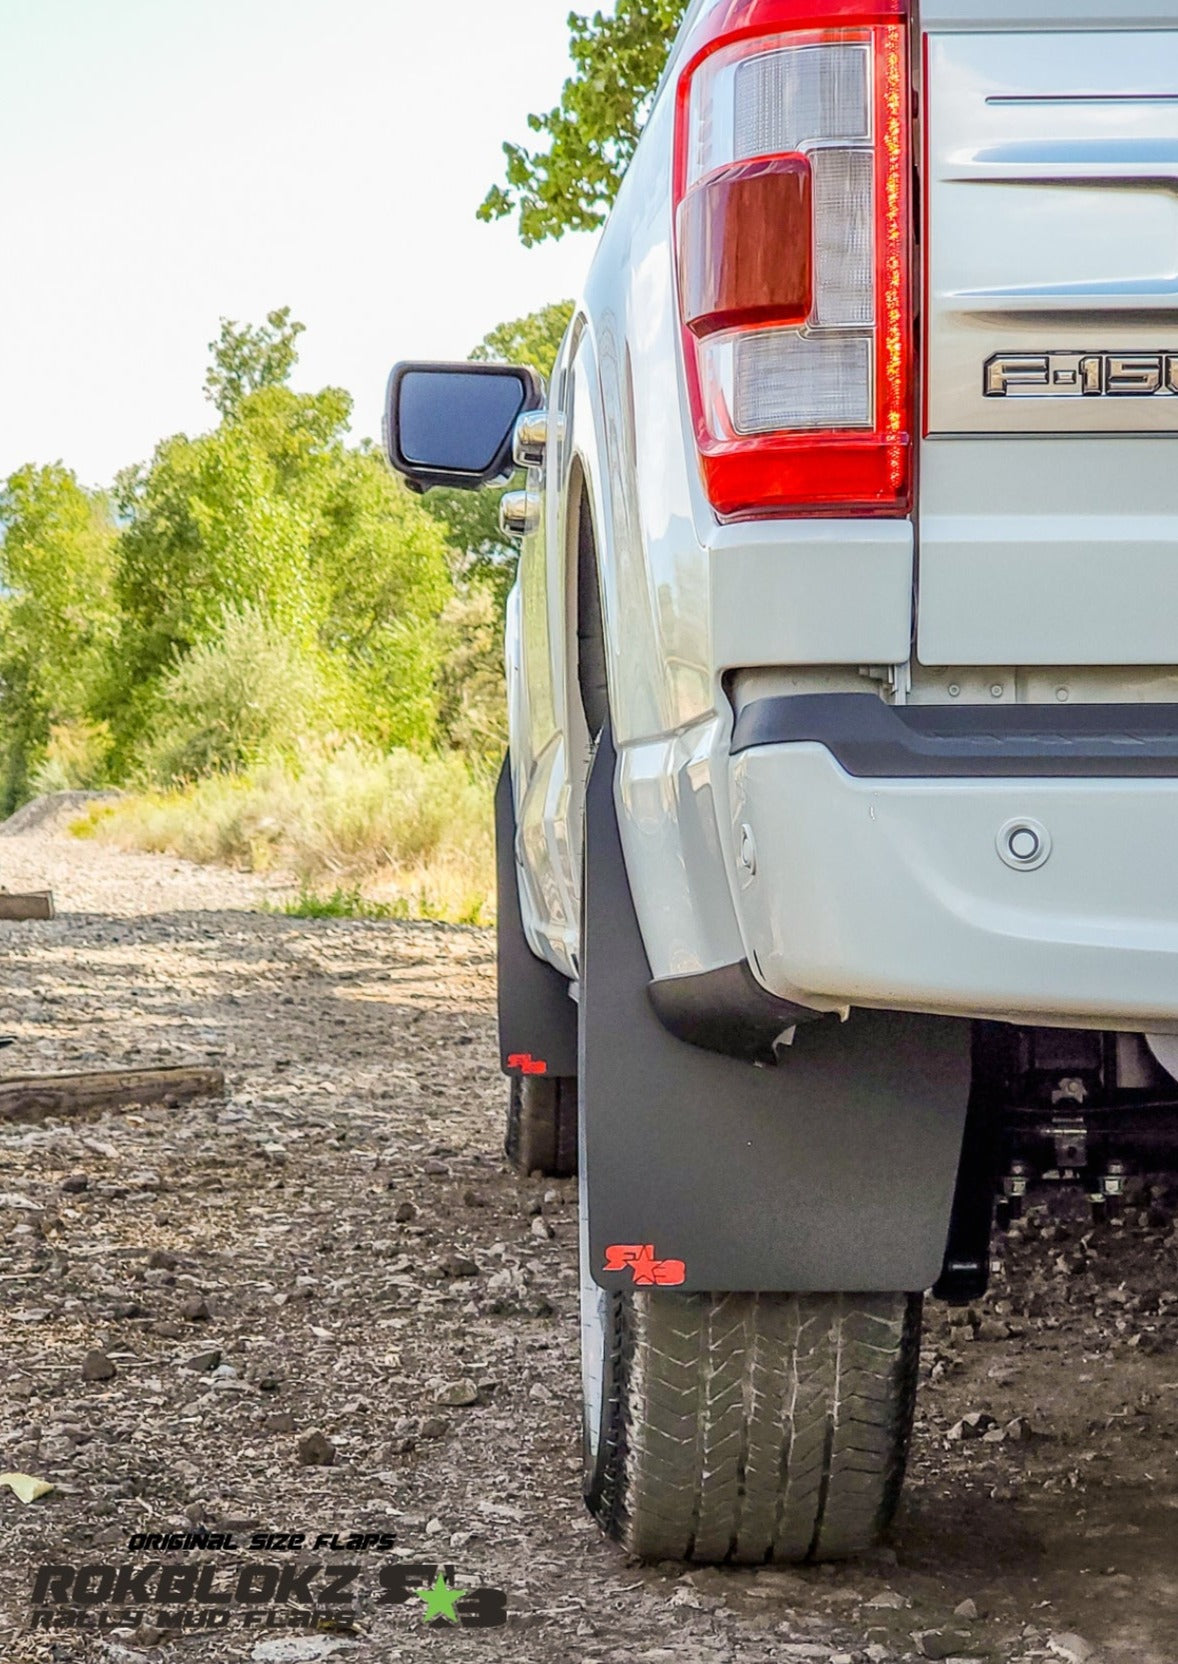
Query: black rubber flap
{"points": [[537, 1016], [834, 1171]]}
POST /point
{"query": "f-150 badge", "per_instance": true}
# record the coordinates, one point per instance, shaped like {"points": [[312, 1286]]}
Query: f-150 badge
{"points": [[1078, 375]]}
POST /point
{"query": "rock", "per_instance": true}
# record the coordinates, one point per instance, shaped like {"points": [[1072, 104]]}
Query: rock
{"points": [[967, 1609], [1074, 1648], [889, 1600], [282, 1422], [404, 1212], [935, 1643], [458, 1394], [194, 1309], [435, 1169], [316, 1450], [1019, 1431], [201, 1362], [434, 1427], [96, 1366], [161, 1260], [74, 1184], [167, 1330], [297, 1649], [973, 1426], [992, 1329], [542, 1229]]}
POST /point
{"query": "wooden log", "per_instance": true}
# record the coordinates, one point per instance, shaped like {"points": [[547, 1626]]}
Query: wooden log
{"points": [[35, 1097], [35, 904]]}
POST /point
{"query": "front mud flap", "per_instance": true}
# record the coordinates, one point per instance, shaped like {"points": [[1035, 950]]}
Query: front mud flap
{"points": [[537, 1017], [833, 1171]]}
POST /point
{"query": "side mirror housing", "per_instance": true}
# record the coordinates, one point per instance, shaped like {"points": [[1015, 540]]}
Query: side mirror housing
{"points": [[452, 424]]}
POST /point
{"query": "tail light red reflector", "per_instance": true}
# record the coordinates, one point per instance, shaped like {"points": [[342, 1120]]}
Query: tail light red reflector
{"points": [[744, 246]]}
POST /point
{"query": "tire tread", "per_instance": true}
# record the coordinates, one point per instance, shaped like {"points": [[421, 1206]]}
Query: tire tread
{"points": [[756, 1427], [542, 1125]]}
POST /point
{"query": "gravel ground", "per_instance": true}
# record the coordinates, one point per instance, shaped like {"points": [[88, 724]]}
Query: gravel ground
{"points": [[339, 1250]]}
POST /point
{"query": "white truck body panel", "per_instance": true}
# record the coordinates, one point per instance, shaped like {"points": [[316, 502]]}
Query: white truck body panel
{"points": [[1040, 564]]}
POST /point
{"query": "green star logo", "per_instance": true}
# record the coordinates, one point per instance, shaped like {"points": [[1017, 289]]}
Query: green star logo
{"points": [[440, 1601]]}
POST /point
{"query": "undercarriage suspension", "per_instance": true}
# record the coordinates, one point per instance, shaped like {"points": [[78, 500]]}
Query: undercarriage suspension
{"points": [[1053, 1107]]}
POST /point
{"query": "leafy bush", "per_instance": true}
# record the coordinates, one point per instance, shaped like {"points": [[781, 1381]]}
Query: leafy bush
{"points": [[472, 691], [57, 616], [248, 693], [75, 758]]}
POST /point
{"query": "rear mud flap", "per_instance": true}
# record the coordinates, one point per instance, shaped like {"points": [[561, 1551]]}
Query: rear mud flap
{"points": [[537, 1016], [834, 1171]]}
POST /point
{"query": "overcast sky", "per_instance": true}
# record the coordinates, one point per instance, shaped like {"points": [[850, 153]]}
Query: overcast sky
{"points": [[165, 163]]}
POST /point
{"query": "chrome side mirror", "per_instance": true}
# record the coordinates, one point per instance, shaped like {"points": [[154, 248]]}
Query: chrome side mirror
{"points": [[519, 513], [530, 439]]}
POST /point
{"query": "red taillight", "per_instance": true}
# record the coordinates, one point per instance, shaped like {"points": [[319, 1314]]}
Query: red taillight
{"points": [[792, 243]]}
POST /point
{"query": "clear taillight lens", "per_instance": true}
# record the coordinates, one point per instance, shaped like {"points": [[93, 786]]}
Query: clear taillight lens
{"points": [[755, 101], [792, 240], [773, 380]]}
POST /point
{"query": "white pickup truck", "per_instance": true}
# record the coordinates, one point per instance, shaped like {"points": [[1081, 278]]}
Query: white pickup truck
{"points": [[838, 894]]}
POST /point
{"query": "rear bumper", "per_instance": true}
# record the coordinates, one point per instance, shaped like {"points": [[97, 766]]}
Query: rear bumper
{"points": [[900, 889]]}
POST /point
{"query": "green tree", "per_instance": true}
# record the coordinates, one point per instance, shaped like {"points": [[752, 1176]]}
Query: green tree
{"points": [[226, 519], [381, 559], [246, 590], [273, 519], [246, 358], [533, 339], [57, 619], [591, 133]]}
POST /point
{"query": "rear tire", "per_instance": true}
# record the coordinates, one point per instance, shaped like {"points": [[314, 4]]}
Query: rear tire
{"points": [[747, 1427], [542, 1125]]}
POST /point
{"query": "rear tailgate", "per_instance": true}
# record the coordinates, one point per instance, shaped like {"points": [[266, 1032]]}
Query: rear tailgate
{"points": [[1048, 500]]}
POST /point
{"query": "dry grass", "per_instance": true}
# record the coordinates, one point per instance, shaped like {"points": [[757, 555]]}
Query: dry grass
{"points": [[413, 833]]}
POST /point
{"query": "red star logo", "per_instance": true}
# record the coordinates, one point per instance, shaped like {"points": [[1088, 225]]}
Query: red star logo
{"points": [[646, 1270]]}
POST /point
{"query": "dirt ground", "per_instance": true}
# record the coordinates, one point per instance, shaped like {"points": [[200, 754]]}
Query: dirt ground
{"points": [[339, 1249]]}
